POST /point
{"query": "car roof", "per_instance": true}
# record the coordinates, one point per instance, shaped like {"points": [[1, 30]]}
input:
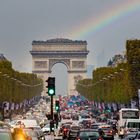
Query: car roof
{"points": [[104, 126]]}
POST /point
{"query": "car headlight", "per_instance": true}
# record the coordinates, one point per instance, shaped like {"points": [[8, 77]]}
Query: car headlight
{"points": [[42, 138]]}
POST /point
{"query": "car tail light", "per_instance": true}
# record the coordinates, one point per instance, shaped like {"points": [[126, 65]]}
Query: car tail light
{"points": [[65, 129], [111, 131], [78, 138], [100, 139]]}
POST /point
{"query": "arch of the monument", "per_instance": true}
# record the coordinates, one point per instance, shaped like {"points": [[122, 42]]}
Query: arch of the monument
{"points": [[73, 54], [52, 62]]}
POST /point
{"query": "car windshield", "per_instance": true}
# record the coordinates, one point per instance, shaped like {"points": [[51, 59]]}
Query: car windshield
{"points": [[106, 128], [89, 133], [75, 128], [94, 126], [67, 126], [85, 116]]}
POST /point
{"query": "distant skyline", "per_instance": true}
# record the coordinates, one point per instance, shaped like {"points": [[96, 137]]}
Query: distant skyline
{"points": [[104, 24]]}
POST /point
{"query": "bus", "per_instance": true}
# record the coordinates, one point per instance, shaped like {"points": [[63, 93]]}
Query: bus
{"points": [[131, 125], [124, 115]]}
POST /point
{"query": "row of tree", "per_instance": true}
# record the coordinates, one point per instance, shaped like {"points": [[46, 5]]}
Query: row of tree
{"points": [[15, 86], [115, 84]]}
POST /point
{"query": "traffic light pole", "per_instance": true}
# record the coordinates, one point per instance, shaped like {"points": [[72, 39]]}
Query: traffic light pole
{"points": [[52, 117], [52, 107], [51, 93]]}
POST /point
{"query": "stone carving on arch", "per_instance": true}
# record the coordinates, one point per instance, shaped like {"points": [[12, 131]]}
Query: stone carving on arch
{"points": [[54, 61]]}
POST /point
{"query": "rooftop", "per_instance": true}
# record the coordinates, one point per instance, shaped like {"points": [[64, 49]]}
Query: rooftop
{"points": [[2, 57], [59, 41]]}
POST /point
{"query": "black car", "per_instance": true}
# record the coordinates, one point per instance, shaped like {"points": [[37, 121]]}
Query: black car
{"points": [[88, 134], [72, 134], [108, 133]]}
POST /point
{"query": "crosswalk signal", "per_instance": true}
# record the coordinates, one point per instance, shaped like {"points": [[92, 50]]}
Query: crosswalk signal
{"points": [[51, 86], [57, 106]]}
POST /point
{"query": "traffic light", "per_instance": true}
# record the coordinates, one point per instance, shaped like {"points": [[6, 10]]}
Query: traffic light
{"points": [[51, 126], [49, 116], [51, 86], [57, 106]]}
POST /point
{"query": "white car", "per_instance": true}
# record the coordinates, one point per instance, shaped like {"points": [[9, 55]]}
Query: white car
{"points": [[46, 128]]}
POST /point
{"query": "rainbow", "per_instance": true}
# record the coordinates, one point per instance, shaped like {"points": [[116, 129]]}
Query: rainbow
{"points": [[92, 25]]}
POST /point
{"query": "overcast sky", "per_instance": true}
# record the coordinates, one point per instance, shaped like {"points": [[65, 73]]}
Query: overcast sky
{"points": [[104, 24]]}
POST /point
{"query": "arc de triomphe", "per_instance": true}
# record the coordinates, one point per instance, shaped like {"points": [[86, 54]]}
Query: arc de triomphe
{"points": [[45, 54]]}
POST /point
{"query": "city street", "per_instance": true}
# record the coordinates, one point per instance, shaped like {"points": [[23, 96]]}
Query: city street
{"points": [[70, 70]]}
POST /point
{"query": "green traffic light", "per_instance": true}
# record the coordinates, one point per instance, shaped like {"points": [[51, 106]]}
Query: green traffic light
{"points": [[56, 108], [51, 91], [51, 86]]}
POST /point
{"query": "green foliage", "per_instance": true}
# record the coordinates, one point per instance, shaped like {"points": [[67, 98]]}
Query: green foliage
{"points": [[13, 90], [118, 84], [133, 56], [109, 84]]}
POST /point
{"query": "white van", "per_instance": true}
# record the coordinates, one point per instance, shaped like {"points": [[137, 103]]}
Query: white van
{"points": [[131, 125]]}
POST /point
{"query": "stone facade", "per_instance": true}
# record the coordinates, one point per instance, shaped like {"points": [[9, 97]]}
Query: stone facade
{"points": [[73, 54]]}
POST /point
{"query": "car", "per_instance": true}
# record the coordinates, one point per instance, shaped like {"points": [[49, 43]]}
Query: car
{"points": [[40, 134], [73, 132], [75, 117], [130, 136], [88, 134], [46, 129], [137, 136], [94, 126], [65, 130], [86, 123], [108, 132]]}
